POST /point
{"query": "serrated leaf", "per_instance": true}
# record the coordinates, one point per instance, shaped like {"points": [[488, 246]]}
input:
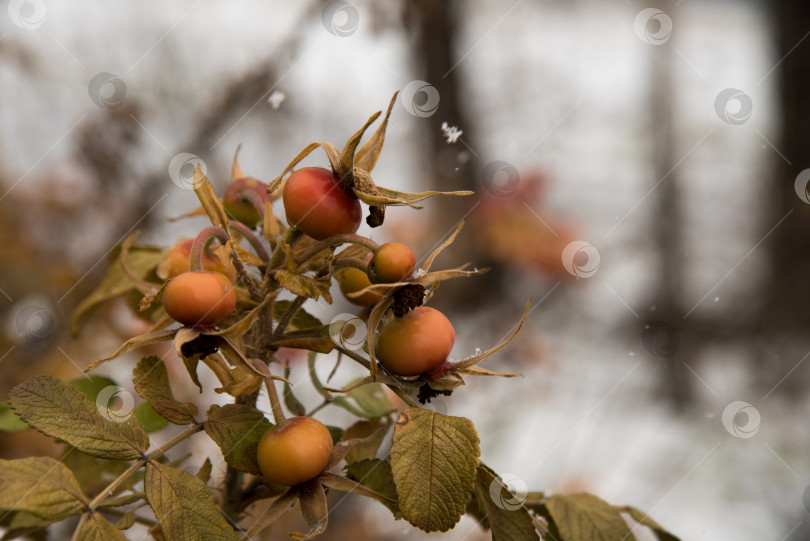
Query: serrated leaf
{"points": [[585, 517], [60, 411], [141, 261], [94, 527], [376, 475], [301, 320], [151, 380], [305, 286], [40, 486], [237, 429], [644, 519], [126, 521], [434, 458], [505, 514], [92, 384], [151, 420], [184, 506], [9, 421]]}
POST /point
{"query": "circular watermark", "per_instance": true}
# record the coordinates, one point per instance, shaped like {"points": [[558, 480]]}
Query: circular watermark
{"points": [[653, 26], [508, 492], [420, 98], [500, 178], [27, 14], [34, 322], [340, 18], [733, 106], [181, 169], [800, 185], [661, 339], [348, 331], [107, 90], [741, 419], [115, 404], [580, 259]]}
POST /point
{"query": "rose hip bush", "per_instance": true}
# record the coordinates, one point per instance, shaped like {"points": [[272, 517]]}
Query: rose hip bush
{"points": [[231, 299]]}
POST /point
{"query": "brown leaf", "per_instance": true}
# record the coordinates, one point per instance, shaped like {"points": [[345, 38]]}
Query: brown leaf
{"points": [[346, 166], [136, 342], [237, 429]]}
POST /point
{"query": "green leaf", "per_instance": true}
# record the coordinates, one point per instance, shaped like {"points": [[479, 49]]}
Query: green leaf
{"points": [[506, 516], [151, 381], [434, 458], [9, 422], [60, 411], [141, 261], [376, 475], [237, 429], [92, 384], [336, 432], [585, 517], [644, 519], [40, 486], [151, 420], [301, 320], [97, 528], [371, 400], [184, 506], [305, 286]]}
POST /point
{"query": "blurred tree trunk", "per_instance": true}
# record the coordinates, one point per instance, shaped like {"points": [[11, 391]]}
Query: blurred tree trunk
{"points": [[436, 23], [789, 294], [667, 228]]}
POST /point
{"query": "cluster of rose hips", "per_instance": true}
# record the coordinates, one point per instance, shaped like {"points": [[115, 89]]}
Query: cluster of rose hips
{"points": [[315, 204]]}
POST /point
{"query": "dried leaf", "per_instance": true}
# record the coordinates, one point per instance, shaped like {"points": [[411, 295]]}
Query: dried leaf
{"points": [[209, 200], [305, 286], [507, 518], [237, 429], [301, 320], [344, 484], [585, 517], [141, 262], [60, 411], [242, 382], [366, 157], [241, 327], [204, 474], [235, 356], [151, 380], [42, 487], [184, 506], [94, 527], [318, 345], [133, 343], [434, 458], [395, 198], [644, 519]]}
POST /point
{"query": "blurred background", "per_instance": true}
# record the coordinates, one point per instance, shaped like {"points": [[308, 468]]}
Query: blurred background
{"points": [[640, 171]]}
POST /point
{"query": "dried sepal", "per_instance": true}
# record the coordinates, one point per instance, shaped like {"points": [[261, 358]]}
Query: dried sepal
{"points": [[271, 225], [446, 382], [199, 211], [366, 157], [470, 361], [332, 153], [429, 261], [345, 170], [479, 371], [344, 484], [312, 501], [242, 382], [136, 342], [275, 510], [374, 319], [232, 354], [241, 327], [209, 200], [236, 169], [342, 448]]}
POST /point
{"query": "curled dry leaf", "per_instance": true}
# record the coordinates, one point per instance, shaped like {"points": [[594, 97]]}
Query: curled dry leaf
{"points": [[136, 342], [470, 361]]}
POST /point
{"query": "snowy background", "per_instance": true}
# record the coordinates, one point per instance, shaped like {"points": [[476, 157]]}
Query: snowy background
{"points": [[560, 86]]}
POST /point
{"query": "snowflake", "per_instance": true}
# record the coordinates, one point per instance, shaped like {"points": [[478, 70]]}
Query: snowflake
{"points": [[418, 273], [451, 133], [276, 98]]}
